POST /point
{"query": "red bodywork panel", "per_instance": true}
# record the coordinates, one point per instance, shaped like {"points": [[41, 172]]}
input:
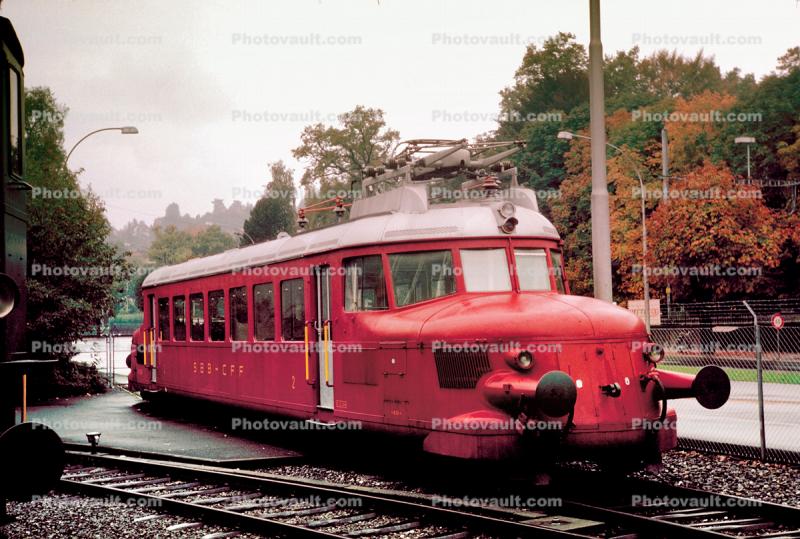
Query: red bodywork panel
{"points": [[384, 364]]}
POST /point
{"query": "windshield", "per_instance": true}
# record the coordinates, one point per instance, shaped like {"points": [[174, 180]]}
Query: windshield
{"points": [[532, 269], [421, 276], [485, 270]]}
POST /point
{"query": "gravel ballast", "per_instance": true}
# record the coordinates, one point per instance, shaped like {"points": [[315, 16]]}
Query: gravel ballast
{"points": [[62, 516], [775, 483]]}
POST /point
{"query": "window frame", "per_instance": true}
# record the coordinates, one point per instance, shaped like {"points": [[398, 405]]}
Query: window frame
{"points": [[381, 265], [510, 268], [457, 279], [16, 167], [232, 319], [219, 295], [192, 298], [517, 273], [271, 288], [164, 301], [293, 337], [562, 272], [182, 298]]}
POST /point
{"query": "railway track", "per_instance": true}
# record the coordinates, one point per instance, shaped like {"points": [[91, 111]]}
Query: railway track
{"points": [[250, 501]]}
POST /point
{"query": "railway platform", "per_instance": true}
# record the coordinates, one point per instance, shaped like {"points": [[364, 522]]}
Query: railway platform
{"points": [[125, 423]]}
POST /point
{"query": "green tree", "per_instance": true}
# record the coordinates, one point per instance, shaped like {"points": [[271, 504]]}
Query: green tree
{"points": [[211, 241], [274, 212], [170, 246], [336, 156], [550, 78], [74, 271]]}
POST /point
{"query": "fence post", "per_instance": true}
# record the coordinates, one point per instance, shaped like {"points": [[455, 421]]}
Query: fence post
{"points": [[760, 382]]}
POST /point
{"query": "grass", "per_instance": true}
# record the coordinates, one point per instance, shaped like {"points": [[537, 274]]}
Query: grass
{"points": [[744, 375]]}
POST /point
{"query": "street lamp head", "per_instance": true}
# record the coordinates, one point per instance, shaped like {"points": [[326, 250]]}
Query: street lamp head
{"points": [[129, 130], [744, 140], [565, 135]]}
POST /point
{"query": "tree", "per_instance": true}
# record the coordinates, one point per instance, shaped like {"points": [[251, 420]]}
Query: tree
{"points": [[170, 246], [724, 226], [274, 212], [551, 78], [74, 270], [211, 241], [669, 74], [336, 156]]}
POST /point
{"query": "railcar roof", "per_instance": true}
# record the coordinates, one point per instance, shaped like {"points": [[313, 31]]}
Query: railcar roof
{"points": [[437, 223]]}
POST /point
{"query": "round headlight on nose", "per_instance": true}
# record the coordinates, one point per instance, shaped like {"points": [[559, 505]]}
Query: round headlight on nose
{"points": [[654, 353], [524, 360], [507, 209]]}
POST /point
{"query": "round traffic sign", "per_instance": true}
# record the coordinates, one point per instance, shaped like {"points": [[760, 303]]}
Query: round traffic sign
{"points": [[777, 321]]}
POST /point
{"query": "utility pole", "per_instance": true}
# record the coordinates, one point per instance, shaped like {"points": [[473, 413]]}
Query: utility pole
{"points": [[601, 229], [665, 166]]}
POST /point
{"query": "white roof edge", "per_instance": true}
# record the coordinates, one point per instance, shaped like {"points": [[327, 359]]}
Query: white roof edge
{"points": [[438, 222]]}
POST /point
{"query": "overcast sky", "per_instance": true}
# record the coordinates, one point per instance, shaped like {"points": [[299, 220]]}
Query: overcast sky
{"points": [[218, 89]]}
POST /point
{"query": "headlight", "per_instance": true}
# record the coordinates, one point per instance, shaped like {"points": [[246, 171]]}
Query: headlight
{"points": [[654, 353], [507, 209], [522, 361], [525, 360]]}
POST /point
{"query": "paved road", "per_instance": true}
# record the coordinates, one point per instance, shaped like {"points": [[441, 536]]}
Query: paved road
{"points": [[737, 421], [124, 423]]}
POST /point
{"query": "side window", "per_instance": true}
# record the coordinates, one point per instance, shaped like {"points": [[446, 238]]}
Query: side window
{"points": [[15, 124], [558, 271], [421, 276], [216, 315], [293, 312], [364, 284], [238, 301], [198, 317], [163, 319], [264, 312], [151, 312], [179, 318]]}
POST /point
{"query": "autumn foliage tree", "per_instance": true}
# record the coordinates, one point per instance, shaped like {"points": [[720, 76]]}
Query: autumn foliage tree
{"points": [[717, 240]]}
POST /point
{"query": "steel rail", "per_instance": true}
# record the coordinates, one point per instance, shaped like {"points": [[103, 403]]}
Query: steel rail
{"points": [[431, 514]]}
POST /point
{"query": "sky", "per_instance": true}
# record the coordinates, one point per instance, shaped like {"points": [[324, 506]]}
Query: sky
{"points": [[220, 89]]}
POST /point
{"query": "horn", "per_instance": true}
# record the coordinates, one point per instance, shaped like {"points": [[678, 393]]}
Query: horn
{"points": [[711, 386]]}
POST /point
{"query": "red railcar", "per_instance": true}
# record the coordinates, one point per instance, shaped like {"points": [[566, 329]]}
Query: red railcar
{"points": [[452, 322]]}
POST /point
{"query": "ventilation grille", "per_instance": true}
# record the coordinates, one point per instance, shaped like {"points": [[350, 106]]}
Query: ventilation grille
{"points": [[460, 370]]}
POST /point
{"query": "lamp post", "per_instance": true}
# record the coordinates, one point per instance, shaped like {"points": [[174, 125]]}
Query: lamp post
{"points": [[601, 218], [127, 130], [567, 135], [747, 141]]}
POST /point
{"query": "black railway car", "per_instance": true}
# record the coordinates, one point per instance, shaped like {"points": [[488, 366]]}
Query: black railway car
{"points": [[14, 222]]}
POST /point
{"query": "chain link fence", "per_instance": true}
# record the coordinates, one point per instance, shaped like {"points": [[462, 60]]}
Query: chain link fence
{"points": [[725, 334]]}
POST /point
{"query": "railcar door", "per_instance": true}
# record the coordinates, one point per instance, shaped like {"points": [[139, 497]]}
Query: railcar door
{"points": [[323, 325], [151, 340]]}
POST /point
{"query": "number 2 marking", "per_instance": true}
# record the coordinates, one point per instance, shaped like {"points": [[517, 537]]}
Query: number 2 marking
{"points": [[293, 381]]}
